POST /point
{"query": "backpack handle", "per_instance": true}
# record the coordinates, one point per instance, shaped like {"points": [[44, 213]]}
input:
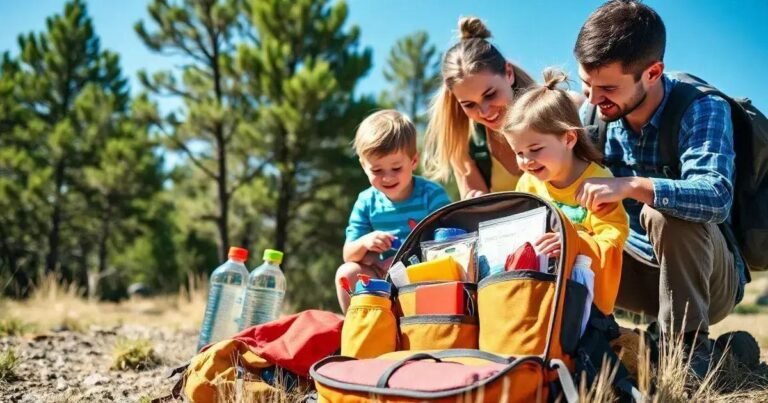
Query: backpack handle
{"points": [[384, 379]]}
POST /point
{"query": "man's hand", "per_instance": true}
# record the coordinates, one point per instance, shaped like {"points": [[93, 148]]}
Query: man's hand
{"points": [[595, 194], [548, 244], [378, 241]]}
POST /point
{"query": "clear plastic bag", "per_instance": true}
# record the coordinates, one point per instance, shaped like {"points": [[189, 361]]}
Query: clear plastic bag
{"points": [[461, 248]]}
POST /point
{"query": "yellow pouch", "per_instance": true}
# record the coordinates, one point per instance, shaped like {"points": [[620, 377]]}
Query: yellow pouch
{"points": [[443, 269], [429, 332], [370, 329], [514, 312]]}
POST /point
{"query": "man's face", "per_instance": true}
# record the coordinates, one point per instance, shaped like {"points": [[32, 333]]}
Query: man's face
{"points": [[614, 92]]}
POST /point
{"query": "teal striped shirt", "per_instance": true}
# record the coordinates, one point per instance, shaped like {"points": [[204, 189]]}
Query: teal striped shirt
{"points": [[373, 211]]}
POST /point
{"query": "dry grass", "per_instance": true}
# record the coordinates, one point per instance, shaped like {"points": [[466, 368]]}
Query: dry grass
{"points": [[14, 327], [54, 305], [64, 307], [136, 354], [8, 363]]}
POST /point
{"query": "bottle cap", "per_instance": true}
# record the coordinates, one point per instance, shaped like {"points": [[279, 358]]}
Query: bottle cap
{"points": [[583, 260], [442, 234], [273, 255], [396, 243], [373, 286], [238, 254]]}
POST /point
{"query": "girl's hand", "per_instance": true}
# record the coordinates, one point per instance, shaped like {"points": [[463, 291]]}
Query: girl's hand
{"points": [[472, 193], [548, 244]]}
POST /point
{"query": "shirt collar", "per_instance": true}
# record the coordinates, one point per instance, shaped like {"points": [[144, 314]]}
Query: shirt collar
{"points": [[656, 117]]}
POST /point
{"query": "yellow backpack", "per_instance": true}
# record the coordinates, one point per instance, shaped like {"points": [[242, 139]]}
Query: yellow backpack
{"points": [[521, 344]]}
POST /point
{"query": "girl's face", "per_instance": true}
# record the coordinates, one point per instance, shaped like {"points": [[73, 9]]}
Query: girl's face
{"points": [[484, 96], [548, 157]]}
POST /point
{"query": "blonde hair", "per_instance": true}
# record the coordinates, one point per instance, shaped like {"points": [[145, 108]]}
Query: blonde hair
{"points": [[549, 109], [385, 132], [449, 128]]}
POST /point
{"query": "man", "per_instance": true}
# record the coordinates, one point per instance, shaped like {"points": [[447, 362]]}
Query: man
{"points": [[677, 264]]}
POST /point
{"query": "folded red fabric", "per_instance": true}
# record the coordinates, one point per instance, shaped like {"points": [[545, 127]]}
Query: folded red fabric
{"points": [[297, 341], [524, 258]]}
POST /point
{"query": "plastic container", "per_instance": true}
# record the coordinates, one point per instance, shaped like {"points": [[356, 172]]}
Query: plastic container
{"points": [[446, 233], [265, 291], [396, 243], [225, 299], [582, 273]]}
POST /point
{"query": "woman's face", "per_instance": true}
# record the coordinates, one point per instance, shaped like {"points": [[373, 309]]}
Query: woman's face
{"points": [[484, 96]]}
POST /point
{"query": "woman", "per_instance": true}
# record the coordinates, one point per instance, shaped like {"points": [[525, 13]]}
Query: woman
{"points": [[478, 85]]}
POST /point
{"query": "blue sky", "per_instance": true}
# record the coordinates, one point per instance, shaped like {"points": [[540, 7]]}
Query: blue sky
{"points": [[723, 41]]}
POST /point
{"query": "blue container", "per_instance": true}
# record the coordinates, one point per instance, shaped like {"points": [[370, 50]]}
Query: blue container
{"points": [[443, 234], [375, 286]]}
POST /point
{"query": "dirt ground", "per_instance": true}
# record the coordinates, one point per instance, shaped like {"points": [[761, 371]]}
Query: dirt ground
{"points": [[66, 353]]}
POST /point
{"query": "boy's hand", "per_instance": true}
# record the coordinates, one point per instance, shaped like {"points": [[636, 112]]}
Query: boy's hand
{"points": [[378, 241], [548, 244]]}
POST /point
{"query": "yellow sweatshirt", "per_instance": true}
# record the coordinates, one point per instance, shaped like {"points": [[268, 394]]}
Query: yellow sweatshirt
{"points": [[601, 235]]}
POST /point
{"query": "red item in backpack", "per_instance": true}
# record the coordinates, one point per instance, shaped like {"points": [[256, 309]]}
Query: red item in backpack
{"points": [[296, 342], [524, 258]]}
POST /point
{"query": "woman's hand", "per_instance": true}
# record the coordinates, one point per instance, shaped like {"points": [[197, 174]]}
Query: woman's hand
{"points": [[548, 244]]}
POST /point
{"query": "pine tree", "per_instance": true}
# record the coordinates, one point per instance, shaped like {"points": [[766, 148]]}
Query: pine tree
{"points": [[56, 68], [300, 70], [207, 129], [413, 72]]}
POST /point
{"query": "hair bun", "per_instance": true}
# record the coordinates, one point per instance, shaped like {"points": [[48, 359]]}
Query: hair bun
{"points": [[473, 27], [553, 77]]}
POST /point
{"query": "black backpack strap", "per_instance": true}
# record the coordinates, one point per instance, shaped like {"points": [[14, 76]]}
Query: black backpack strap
{"points": [[596, 128], [680, 99], [594, 347], [478, 150]]}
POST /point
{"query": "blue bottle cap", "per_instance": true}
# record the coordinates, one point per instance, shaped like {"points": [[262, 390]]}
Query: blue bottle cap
{"points": [[443, 234], [375, 286], [396, 243]]}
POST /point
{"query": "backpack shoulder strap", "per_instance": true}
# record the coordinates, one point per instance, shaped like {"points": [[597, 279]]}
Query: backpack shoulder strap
{"points": [[478, 150], [681, 98], [597, 129]]}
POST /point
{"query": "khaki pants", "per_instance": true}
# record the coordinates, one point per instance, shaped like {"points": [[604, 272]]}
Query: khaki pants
{"points": [[695, 268]]}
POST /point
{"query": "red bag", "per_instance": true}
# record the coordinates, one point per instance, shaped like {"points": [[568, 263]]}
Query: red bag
{"points": [[295, 342]]}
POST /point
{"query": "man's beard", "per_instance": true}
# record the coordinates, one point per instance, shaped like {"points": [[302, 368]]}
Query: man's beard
{"points": [[624, 111]]}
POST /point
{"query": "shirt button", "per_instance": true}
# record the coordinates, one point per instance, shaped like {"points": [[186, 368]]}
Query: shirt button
{"points": [[665, 201]]}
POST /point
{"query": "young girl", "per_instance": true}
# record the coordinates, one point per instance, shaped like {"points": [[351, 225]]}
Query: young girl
{"points": [[557, 157]]}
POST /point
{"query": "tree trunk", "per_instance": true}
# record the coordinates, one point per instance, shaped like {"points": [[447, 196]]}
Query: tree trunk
{"points": [[283, 207], [52, 260]]}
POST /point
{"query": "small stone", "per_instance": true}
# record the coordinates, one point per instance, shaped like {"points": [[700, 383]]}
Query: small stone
{"points": [[94, 380], [61, 385]]}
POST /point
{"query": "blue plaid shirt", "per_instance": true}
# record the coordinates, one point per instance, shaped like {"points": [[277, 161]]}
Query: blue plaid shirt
{"points": [[705, 191]]}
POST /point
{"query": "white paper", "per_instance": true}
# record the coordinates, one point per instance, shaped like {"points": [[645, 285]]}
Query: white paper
{"points": [[501, 237]]}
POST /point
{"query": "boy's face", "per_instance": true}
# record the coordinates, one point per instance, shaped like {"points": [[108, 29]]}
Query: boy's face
{"points": [[391, 174]]}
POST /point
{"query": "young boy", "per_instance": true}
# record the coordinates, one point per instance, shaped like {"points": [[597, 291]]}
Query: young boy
{"points": [[393, 205]]}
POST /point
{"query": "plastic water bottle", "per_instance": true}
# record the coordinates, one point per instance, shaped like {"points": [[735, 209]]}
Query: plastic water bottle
{"points": [[225, 298], [265, 291]]}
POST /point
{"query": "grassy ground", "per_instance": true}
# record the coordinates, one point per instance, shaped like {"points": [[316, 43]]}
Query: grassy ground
{"points": [[53, 307]]}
